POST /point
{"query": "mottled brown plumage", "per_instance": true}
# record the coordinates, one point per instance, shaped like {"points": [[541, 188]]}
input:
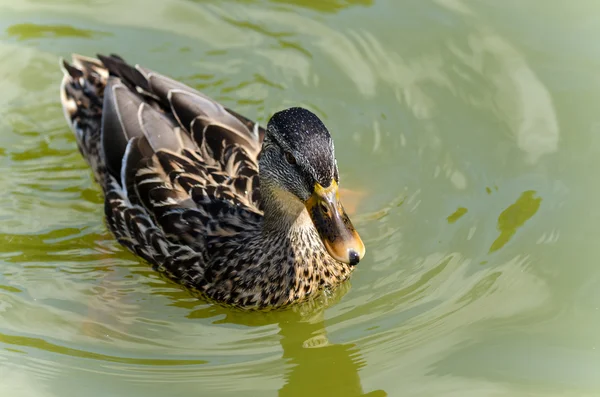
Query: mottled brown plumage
{"points": [[180, 175]]}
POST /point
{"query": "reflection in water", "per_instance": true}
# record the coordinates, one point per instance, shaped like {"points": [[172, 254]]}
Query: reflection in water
{"points": [[326, 5], [329, 6], [457, 214], [27, 31], [519, 97], [314, 367], [23, 342], [318, 368], [19, 382], [515, 216]]}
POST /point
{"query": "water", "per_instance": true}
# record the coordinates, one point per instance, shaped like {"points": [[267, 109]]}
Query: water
{"points": [[468, 134]]}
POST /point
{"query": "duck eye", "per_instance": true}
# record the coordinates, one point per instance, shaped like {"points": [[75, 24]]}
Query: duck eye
{"points": [[289, 158]]}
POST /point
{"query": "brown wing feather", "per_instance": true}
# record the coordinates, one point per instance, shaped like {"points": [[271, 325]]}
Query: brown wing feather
{"points": [[177, 168], [226, 142], [140, 102]]}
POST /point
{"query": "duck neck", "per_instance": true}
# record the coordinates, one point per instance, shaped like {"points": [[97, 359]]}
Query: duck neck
{"points": [[284, 214]]}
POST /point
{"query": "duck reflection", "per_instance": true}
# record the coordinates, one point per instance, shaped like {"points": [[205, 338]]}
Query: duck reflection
{"points": [[316, 367], [313, 366]]}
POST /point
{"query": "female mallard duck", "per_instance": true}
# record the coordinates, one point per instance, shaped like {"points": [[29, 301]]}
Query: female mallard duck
{"points": [[247, 216]]}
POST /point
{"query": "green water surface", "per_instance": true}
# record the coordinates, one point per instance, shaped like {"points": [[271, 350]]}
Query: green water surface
{"points": [[469, 132]]}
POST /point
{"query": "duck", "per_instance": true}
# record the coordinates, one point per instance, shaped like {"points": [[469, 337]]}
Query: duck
{"points": [[239, 214]]}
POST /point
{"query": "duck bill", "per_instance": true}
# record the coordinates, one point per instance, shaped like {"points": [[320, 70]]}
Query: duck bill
{"points": [[333, 225]]}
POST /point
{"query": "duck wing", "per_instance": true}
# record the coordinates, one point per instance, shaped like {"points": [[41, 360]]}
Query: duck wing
{"points": [[176, 167]]}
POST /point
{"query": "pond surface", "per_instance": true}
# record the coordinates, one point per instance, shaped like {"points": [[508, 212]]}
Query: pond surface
{"points": [[468, 134]]}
